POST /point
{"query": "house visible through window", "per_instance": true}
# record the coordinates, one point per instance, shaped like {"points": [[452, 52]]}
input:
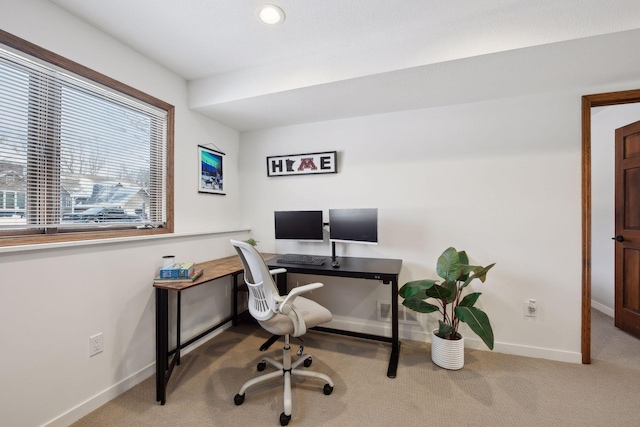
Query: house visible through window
{"points": [[81, 155]]}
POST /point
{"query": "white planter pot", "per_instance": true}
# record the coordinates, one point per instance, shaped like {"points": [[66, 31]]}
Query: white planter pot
{"points": [[448, 354]]}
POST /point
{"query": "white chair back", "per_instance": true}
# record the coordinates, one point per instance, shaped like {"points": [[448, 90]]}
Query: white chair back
{"points": [[262, 289]]}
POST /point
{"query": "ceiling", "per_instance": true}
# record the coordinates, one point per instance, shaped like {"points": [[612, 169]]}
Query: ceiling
{"points": [[333, 59]]}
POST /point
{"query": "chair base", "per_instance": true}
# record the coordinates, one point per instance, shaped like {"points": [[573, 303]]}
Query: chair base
{"points": [[285, 369]]}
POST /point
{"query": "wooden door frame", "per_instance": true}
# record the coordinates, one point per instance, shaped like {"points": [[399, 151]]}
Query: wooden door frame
{"points": [[589, 101]]}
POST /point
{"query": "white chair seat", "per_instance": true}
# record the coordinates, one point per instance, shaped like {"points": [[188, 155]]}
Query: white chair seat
{"points": [[313, 314]]}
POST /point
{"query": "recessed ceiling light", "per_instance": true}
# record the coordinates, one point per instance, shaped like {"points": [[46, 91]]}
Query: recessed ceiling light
{"points": [[270, 14]]}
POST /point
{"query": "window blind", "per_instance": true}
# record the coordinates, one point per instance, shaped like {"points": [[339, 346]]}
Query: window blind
{"points": [[75, 155]]}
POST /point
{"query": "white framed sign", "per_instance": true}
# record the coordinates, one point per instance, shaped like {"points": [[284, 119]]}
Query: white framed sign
{"points": [[302, 164]]}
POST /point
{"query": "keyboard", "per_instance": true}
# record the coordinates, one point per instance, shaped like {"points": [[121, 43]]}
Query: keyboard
{"points": [[301, 259]]}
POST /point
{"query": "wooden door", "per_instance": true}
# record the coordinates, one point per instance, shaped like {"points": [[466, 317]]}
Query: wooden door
{"points": [[627, 227]]}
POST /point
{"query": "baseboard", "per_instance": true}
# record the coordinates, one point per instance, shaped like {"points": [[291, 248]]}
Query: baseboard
{"points": [[100, 399], [114, 391], [347, 324], [527, 351], [602, 308], [413, 334]]}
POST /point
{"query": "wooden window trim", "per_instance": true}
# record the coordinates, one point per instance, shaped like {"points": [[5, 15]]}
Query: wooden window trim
{"points": [[33, 50]]}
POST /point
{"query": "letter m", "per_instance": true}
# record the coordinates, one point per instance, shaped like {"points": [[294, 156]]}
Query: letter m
{"points": [[307, 163]]}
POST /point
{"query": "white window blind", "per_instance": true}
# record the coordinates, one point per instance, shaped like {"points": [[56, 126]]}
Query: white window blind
{"points": [[75, 156]]}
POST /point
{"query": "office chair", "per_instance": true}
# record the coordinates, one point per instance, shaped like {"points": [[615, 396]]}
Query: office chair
{"points": [[287, 316]]}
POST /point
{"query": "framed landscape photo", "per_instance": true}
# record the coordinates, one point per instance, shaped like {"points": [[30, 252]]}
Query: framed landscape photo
{"points": [[211, 171]]}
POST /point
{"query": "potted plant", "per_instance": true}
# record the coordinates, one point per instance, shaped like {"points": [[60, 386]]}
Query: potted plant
{"points": [[453, 267], [252, 242]]}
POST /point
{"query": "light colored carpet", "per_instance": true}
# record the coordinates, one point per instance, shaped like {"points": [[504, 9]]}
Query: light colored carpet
{"points": [[492, 389]]}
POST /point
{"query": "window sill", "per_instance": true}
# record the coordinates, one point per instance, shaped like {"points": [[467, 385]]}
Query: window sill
{"points": [[71, 244]]}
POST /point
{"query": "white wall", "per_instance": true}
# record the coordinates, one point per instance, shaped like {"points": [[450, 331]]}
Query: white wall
{"points": [[499, 179], [54, 299], [604, 122]]}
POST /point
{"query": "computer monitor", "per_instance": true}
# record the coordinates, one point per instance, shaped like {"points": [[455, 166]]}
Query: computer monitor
{"points": [[305, 226], [354, 225]]}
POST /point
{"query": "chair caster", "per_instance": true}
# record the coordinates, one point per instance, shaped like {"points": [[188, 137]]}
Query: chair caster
{"points": [[307, 362], [262, 366], [284, 419], [327, 389], [238, 399]]}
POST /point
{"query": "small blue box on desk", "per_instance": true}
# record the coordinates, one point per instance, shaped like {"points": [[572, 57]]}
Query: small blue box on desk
{"points": [[177, 270]]}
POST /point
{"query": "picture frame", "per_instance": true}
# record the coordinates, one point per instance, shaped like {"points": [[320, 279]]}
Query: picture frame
{"points": [[302, 164], [210, 171]]}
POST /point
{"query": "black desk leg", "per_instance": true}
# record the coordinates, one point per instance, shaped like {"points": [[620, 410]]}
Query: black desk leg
{"points": [[162, 343], [178, 305], [281, 283], [395, 343], [234, 321]]}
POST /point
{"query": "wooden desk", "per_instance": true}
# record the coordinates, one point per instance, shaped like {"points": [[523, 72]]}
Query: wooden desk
{"points": [[384, 270], [212, 270]]}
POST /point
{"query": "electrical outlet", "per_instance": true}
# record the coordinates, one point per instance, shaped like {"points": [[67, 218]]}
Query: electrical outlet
{"points": [[530, 308], [95, 344]]}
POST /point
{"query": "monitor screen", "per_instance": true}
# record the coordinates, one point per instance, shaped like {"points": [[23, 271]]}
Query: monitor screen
{"points": [[353, 225], [299, 225]]}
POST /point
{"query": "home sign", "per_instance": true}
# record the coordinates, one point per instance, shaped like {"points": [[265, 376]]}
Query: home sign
{"points": [[302, 164]]}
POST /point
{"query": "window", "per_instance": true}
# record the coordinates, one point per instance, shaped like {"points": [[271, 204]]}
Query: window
{"points": [[82, 156]]}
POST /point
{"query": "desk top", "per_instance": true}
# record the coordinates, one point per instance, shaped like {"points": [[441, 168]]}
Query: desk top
{"points": [[364, 268], [211, 270]]}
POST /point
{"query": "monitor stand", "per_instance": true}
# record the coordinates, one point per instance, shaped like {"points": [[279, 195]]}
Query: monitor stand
{"points": [[334, 261]]}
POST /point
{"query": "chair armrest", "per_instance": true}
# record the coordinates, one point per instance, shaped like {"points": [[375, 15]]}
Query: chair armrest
{"points": [[277, 271], [286, 307], [300, 290]]}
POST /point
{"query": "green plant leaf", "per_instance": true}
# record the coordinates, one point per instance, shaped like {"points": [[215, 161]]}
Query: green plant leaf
{"points": [[448, 266], [438, 292], [444, 329], [478, 322], [412, 288], [482, 274], [466, 269], [452, 287], [252, 242], [469, 300], [464, 261], [478, 273], [416, 304]]}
